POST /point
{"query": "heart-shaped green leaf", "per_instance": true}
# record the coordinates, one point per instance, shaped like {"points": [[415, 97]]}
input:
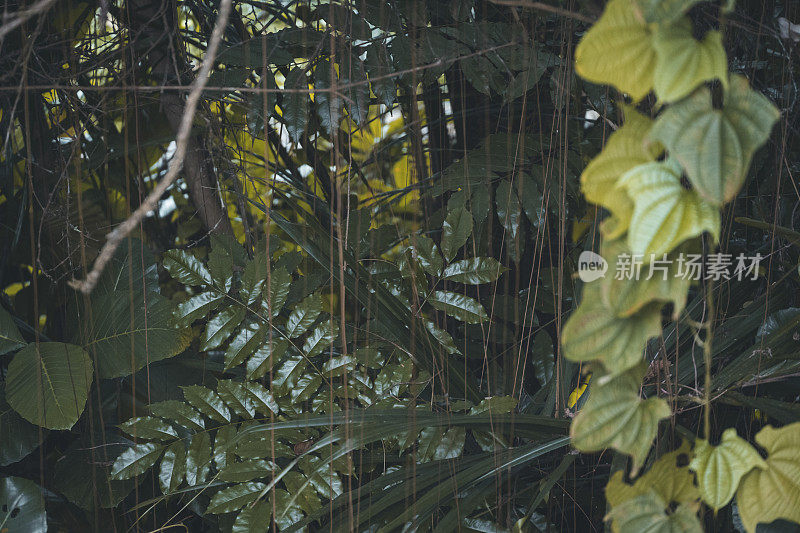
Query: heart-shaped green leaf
{"points": [[616, 417], [765, 495], [665, 213], [719, 468], [715, 146], [594, 332]]}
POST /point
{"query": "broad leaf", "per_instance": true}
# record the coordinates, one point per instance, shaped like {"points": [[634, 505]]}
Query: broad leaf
{"points": [[474, 271], [765, 495], [508, 209], [253, 278], [275, 292], [235, 497], [665, 213], [235, 395], [21, 506], [719, 468], [148, 427], [684, 63], [220, 265], [222, 326], [185, 268], [456, 230], [322, 337], [715, 146], [136, 460], [253, 519], [48, 384], [198, 459], [427, 253], [130, 330], [669, 478], [595, 332], [655, 282], [618, 50], [458, 306], [20, 437], [173, 467], [197, 307], [303, 316], [247, 470], [266, 356], [207, 402], [245, 343], [616, 417], [305, 387], [179, 412]]}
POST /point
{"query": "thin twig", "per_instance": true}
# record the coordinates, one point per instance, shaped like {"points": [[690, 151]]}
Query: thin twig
{"points": [[541, 6], [22, 15], [181, 141]]}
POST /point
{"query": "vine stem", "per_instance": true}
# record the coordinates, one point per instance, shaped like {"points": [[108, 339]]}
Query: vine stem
{"points": [[707, 358]]}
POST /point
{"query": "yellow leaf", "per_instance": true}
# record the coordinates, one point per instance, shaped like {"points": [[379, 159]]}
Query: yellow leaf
{"points": [[672, 482], [618, 51], [665, 213]]}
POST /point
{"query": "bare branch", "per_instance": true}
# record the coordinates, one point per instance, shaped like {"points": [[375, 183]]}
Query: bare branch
{"points": [[22, 15], [181, 142]]}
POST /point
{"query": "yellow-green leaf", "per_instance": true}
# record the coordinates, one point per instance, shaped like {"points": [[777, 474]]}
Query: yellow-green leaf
{"points": [[616, 417], [648, 512], [657, 281], [766, 495], [672, 482], [594, 331], [624, 150], [665, 213], [715, 146], [618, 51], [720, 468], [684, 62]]}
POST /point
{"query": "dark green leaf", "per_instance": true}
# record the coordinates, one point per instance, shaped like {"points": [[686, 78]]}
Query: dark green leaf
{"points": [[48, 383], [456, 230], [474, 271], [185, 268], [136, 460], [21, 506], [207, 402]]}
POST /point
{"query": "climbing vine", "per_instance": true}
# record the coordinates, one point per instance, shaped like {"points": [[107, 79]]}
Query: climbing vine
{"points": [[664, 182]]}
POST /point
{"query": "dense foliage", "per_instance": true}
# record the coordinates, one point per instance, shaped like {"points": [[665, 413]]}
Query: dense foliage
{"points": [[359, 306]]}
